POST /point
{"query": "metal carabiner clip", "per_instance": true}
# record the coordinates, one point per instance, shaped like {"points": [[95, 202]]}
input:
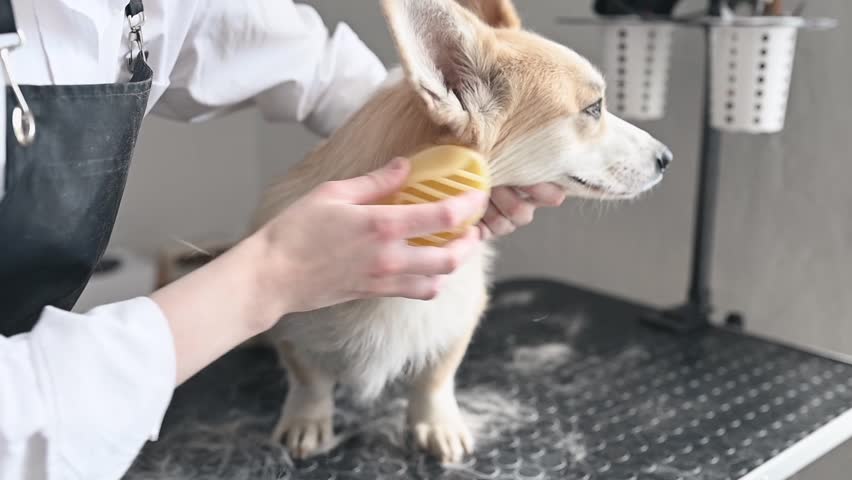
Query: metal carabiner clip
{"points": [[23, 120], [134, 38]]}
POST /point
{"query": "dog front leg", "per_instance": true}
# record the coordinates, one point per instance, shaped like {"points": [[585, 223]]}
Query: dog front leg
{"points": [[306, 416], [433, 413]]}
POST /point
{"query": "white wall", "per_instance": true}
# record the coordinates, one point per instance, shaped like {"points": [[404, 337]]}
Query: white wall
{"points": [[193, 182]]}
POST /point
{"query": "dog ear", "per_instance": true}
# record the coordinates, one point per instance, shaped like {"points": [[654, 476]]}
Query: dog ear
{"points": [[496, 13], [443, 50]]}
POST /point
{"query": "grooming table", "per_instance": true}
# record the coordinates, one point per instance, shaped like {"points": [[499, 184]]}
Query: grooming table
{"points": [[559, 383]]}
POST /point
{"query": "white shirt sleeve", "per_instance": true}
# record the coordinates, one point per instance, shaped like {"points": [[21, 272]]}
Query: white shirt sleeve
{"points": [[81, 394], [276, 55]]}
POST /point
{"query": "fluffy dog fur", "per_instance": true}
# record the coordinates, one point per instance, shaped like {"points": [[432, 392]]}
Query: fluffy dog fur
{"points": [[470, 76]]}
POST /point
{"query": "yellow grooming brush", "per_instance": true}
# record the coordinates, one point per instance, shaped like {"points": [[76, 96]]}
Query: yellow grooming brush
{"points": [[440, 172]]}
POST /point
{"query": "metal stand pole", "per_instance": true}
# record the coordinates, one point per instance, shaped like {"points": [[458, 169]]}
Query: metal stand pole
{"points": [[705, 207], [695, 313]]}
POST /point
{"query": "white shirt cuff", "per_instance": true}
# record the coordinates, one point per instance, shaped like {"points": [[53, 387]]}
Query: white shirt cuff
{"points": [[108, 378]]}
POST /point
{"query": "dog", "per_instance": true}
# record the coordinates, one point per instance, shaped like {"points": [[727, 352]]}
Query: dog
{"points": [[470, 75]]}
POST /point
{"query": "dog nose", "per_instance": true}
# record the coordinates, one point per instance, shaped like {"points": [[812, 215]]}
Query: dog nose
{"points": [[664, 158]]}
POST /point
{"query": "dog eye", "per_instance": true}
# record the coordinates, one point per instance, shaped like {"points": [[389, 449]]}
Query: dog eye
{"points": [[594, 110]]}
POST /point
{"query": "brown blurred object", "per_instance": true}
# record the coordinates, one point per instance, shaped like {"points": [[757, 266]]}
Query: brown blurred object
{"points": [[775, 8], [174, 263]]}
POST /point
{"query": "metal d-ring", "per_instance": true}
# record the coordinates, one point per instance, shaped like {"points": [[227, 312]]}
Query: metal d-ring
{"points": [[23, 120]]}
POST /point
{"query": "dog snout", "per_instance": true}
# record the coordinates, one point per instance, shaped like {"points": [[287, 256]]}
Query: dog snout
{"points": [[664, 159]]}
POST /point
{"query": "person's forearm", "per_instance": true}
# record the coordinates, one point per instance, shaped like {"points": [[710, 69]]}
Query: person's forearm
{"points": [[217, 307]]}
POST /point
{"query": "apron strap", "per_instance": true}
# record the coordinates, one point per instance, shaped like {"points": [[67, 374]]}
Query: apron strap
{"points": [[7, 14], [8, 24], [133, 8], [7, 18], [23, 120]]}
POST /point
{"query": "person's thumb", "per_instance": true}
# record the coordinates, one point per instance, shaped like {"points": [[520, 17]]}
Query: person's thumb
{"points": [[378, 184]]}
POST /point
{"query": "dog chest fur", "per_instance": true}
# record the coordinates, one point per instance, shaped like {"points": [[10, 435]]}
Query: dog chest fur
{"points": [[367, 343]]}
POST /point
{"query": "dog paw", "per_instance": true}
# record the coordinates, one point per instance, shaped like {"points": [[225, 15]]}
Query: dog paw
{"points": [[439, 428], [305, 437], [306, 425], [449, 441]]}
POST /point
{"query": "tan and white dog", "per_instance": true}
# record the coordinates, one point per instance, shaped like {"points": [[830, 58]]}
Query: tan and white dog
{"points": [[471, 76]]}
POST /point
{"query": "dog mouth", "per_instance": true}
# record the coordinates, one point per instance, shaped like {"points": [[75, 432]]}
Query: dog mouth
{"points": [[598, 189], [594, 187], [587, 184]]}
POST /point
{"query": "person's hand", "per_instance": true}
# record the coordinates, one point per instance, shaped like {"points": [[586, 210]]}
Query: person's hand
{"points": [[335, 245], [511, 208]]}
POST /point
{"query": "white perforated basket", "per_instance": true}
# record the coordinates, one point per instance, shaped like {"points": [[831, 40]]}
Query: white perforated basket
{"points": [[752, 67], [636, 64]]}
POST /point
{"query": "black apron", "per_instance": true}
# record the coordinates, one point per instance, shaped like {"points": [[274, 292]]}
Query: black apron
{"points": [[68, 150]]}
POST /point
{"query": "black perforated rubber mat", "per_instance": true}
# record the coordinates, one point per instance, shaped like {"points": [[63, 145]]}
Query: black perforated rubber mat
{"points": [[559, 383]]}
